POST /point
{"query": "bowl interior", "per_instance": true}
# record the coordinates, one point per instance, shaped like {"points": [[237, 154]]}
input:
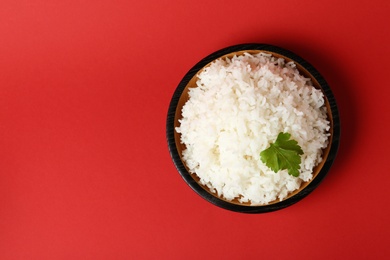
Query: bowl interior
{"points": [[192, 84]]}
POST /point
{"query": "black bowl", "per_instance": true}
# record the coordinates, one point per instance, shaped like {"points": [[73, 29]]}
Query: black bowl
{"points": [[180, 96]]}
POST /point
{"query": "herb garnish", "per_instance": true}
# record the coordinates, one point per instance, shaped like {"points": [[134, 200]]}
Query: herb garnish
{"points": [[283, 154]]}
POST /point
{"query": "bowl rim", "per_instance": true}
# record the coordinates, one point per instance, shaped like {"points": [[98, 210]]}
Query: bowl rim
{"points": [[170, 129]]}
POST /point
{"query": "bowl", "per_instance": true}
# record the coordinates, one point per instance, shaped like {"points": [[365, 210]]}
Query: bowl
{"points": [[180, 97]]}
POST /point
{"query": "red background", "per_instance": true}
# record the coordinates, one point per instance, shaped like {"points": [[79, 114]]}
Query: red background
{"points": [[85, 171]]}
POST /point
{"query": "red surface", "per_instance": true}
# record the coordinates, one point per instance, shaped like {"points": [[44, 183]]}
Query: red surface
{"points": [[85, 171]]}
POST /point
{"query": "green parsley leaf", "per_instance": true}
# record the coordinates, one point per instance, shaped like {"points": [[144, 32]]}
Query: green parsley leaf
{"points": [[283, 154]]}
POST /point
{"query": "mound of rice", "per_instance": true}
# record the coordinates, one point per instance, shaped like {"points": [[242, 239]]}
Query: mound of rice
{"points": [[238, 108]]}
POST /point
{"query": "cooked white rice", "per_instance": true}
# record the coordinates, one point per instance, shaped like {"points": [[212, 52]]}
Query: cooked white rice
{"points": [[238, 108]]}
